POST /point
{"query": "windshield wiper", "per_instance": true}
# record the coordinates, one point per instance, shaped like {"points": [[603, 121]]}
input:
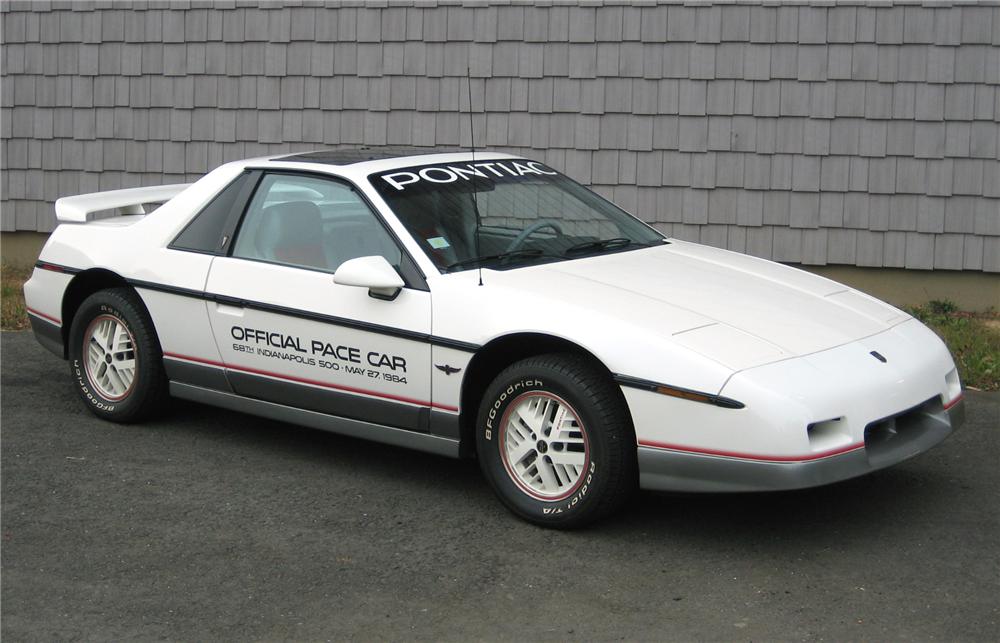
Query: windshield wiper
{"points": [[615, 243], [529, 253], [602, 244]]}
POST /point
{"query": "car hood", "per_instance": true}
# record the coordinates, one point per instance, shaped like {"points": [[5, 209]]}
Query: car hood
{"points": [[737, 310]]}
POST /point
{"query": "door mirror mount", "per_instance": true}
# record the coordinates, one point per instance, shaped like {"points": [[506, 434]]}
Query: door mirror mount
{"points": [[374, 273]]}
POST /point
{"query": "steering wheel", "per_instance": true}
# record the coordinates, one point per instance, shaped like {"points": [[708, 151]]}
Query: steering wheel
{"points": [[532, 229]]}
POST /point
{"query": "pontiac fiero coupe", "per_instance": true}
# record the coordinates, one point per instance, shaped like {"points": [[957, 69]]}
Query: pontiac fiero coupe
{"points": [[484, 305]]}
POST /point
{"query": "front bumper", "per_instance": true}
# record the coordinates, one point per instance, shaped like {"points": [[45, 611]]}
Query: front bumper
{"points": [[887, 442]]}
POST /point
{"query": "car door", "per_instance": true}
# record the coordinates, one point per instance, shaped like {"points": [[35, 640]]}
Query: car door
{"points": [[288, 334]]}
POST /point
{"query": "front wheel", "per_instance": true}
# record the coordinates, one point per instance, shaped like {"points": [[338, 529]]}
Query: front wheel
{"points": [[114, 356], [555, 441]]}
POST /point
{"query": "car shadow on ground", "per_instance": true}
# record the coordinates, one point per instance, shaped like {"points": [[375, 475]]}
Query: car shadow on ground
{"points": [[853, 506], [858, 501]]}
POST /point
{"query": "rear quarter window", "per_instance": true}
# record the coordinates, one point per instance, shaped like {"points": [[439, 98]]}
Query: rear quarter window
{"points": [[211, 228]]}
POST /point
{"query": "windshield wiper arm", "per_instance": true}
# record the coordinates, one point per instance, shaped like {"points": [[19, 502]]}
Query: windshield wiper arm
{"points": [[516, 254], [602, 244]]}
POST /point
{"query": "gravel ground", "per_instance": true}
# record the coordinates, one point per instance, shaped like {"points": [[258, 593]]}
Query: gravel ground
{"points": [[214, 525]]}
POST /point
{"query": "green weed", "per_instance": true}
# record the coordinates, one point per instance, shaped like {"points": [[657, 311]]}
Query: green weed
{"points": [[973, 338], [13, 316]]}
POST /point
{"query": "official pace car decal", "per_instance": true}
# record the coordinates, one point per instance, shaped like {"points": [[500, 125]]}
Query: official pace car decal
{"points": [[494, 171], [370, 364]]}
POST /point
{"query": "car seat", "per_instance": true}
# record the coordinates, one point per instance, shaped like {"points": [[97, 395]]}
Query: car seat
{"points": [[292, 233]]}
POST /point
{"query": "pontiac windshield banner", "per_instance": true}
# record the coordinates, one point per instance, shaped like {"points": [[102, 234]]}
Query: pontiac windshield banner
{"points": [[492, 171], [314, 352]]}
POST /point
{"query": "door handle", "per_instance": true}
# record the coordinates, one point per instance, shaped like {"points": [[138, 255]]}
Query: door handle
{"points": [[229, 301], [229, 305]]}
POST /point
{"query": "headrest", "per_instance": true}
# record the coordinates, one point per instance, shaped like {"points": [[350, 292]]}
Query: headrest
{"points": [[292, 223]]}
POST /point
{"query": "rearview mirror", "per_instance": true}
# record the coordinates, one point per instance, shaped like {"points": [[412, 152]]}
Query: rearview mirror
{"points": [[374, 273]]}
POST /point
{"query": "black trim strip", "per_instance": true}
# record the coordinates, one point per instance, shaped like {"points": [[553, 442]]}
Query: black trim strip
{"points": [[311, 316], [458, 345], [444, 342], [654, 387], [173, 290], [54, 267]]}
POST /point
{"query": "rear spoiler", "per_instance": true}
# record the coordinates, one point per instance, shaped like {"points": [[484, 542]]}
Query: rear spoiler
{"points": [[80, 208]]}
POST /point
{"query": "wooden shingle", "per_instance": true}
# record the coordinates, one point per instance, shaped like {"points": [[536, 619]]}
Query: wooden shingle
{"points": [[875, 120]]}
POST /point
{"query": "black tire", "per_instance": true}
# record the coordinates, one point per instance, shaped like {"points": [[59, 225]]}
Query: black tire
{"points": [[609, 470], [148, 388]]}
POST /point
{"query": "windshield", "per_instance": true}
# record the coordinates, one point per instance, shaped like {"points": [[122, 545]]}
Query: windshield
{"points": [[505, 214]]}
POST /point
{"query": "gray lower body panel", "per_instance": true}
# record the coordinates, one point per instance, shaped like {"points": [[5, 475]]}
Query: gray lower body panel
{"points": [[315, 420], [196, 375], [48, 335], [348, 405], [887, 442], [323, 401]]}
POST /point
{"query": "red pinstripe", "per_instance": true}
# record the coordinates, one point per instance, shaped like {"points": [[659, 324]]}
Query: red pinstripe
{"points": [[755, 456], [303, 380], [771, 458], [39, 313], [50, 267]]}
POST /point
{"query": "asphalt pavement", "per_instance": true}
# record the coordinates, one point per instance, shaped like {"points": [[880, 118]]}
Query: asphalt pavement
{"points": [[208, 524]]}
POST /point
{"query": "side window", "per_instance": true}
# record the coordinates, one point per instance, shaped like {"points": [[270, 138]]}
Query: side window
{"points": [[206, 232], [311, 223]]}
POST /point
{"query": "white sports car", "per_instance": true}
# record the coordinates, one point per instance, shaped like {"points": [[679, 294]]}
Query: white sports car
{"points": [[484, 305]]}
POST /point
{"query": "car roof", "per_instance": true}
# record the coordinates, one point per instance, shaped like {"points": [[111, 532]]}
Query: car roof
{"points": [[382, 158], [352, 155]]}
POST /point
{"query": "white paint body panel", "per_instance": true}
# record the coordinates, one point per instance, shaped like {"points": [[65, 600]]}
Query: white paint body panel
{"points": [[182, 324], [794, 348], [78, 209], [43, 294], [316, 292], [784, 398]]}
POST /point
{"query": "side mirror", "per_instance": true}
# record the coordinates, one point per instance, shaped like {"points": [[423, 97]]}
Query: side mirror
{"points": [[374, 273]]}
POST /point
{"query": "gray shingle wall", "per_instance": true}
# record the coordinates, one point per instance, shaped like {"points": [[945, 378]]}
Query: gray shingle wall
{"points": [[842, 134]]}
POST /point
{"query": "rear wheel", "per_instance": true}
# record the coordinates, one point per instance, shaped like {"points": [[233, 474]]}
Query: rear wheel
{"points": [[555, 441], [115, 358]]}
